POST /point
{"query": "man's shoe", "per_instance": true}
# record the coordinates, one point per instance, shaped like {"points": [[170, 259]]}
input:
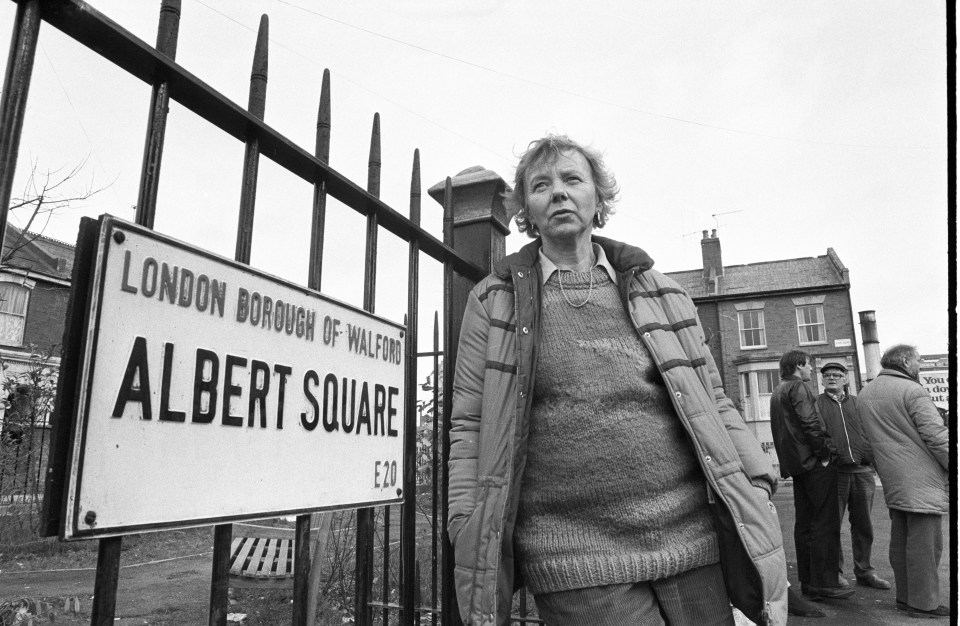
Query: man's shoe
{"points": [[843, 582], [828, 593], [940, 611], [872, 580], [800, 607]]}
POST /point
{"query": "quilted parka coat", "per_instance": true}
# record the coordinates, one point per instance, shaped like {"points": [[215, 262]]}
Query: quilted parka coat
{"points": [[493, 387], [911, 444]]}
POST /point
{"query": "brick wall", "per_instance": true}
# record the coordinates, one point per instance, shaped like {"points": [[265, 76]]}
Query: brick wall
{"points": [[780, 322]]}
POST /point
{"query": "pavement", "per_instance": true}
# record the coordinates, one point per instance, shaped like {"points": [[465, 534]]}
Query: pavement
{"points": [[867, 605]]}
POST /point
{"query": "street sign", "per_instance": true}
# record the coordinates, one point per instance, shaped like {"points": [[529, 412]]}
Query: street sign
{"points": [[210, 392]]}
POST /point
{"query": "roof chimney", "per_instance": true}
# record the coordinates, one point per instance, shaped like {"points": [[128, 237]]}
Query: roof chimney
{"points": [[712, 261]]}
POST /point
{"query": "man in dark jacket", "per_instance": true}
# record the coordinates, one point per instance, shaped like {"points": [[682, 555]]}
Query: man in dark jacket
{"points": [[806, 453], [855, 480]]}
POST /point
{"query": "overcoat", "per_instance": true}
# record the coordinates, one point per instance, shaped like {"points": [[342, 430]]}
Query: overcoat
{"points": [[911, 444], [493, 387]]}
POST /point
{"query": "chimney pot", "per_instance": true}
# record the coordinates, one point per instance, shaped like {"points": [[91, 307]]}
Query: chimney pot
{"points": [[712, 261], [713, 234]]}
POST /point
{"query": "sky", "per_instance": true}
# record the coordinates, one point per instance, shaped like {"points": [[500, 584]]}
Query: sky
{"points": [[789, 127]]}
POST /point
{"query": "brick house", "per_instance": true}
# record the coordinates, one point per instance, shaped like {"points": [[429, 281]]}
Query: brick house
{"points": [[35, 276], [753, 313], [34, 287]]}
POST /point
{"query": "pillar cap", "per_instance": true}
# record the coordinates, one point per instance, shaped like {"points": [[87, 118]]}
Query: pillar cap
{"points": [[477, 196], [475, 175]]}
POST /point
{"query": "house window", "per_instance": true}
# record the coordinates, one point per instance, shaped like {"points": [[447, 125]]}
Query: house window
{"points": [[13, 313], [810, 324], [752, 334], [766, 381]]}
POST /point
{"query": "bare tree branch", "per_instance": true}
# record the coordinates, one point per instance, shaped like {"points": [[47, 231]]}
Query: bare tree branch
{"points": [[45, 194]]}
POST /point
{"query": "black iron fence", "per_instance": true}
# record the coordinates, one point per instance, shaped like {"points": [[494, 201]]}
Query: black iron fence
{"points": [[415, 568]]}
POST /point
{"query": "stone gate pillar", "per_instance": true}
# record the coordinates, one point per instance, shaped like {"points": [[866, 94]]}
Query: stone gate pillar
{"points": [[479, 230]]}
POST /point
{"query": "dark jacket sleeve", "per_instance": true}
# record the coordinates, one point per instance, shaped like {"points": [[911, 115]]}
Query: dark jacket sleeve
{"points": [[809, 422]]}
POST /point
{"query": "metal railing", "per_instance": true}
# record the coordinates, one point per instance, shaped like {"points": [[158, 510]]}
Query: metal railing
{"points": [[156, 65]]}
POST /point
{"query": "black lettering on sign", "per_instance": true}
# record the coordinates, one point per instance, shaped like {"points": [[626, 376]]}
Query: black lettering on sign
{"points": [[379, 407], [267, 312], [348, 425], [185, 298], [391, 411], [384, 474], [203, 292], [203, 386], [125, 282], [166, 414], [283, 371], [255, 304], [136, 367], [310, 422], [330, 423], [258, 392], [243, 300], [230, 390], [218, 292], [168, 282], [363, 414], [148, 279]]}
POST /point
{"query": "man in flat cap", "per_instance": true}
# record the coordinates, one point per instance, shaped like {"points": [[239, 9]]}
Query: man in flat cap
{"points": [[855, 478]]}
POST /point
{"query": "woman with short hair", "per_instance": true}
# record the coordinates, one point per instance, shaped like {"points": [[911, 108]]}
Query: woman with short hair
{"points": [[593, 450]]}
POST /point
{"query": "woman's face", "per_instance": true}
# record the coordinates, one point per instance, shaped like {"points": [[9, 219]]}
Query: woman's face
{"points": [[561, 199]]}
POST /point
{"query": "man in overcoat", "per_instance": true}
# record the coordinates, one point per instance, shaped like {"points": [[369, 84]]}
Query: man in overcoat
{"points": [[911, 450]]}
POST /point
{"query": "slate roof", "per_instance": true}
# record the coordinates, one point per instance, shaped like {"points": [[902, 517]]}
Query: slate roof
{"points": [[37, 254], [757, 278]]}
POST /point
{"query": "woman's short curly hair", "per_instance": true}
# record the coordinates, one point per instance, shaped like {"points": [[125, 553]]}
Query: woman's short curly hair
{"points": [[546, 151]]}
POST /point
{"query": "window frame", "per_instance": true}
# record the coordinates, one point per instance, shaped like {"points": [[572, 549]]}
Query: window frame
{"points": [[762, 328], [801, 326], [27, 292]]}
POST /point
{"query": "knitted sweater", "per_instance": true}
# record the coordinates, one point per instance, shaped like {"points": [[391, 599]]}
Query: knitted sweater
{"points": [[611, 491]]}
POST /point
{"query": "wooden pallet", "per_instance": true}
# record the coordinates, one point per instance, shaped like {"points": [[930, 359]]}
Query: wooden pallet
{"points": [[261, 557]]}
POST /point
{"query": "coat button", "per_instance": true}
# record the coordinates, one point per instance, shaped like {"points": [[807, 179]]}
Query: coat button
{"points": [[519, 274], [523, 394], [525, 330], [647, 335], [707, 458], [678, 394]]}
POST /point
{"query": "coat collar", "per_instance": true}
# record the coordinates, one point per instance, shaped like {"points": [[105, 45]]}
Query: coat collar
{"points": [[622, 257], [889, 371]]}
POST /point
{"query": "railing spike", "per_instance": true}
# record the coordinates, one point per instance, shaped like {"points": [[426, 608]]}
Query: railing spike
{"points": [[373, 164], [256, 105], [258, 75], [415, 189], [323, 120], [319, 217]]}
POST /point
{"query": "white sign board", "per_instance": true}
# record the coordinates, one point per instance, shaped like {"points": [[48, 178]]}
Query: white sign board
{"points": [[212, 392], [936, 382]]}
